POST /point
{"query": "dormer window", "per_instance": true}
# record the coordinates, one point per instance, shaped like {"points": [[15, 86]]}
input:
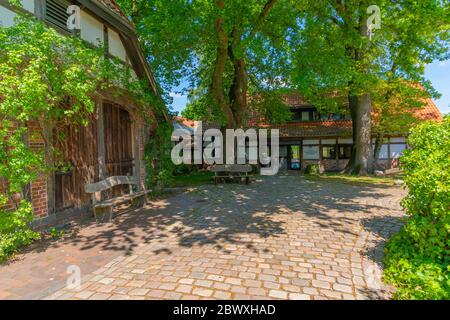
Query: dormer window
{"points": [[304, 114]]}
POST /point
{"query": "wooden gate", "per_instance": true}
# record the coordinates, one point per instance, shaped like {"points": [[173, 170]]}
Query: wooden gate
{"points": [[77, 155], [118, 143], [77, 151]]}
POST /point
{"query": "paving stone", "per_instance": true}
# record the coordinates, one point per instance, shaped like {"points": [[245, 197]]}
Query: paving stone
{"points": [[202, 292], [309, 239], [278, 294], [138, 292], [299, 296], [342, 288]]}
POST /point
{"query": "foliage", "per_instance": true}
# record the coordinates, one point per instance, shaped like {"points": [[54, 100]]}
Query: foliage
{"points": [[157, 155], [337, 64], [225, 50], [193, 179], [55, 233], [46, 80], [312, 169], [14, 230], [418, 258], [184, 169]]}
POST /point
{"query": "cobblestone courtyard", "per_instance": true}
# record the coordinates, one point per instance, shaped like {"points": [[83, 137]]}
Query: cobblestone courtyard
{"points": [[282, 237]]}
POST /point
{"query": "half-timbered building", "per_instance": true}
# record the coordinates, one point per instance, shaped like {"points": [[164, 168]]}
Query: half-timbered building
{"points": [[112, 144]]}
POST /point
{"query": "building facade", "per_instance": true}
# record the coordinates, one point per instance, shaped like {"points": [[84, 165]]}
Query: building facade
{"points": [[112, 144], [326, 140]]}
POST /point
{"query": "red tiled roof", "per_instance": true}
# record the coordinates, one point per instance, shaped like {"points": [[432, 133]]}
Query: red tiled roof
{"points": [[186, 122], [429, 111], [333, 128], [336, 128]]}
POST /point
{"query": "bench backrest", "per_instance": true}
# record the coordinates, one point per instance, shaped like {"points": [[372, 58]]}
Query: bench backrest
{"points": [[246, 168], [108, 183]]}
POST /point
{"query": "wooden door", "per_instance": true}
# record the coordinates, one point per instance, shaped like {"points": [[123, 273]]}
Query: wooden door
{"points": [[76, 155], [118, 143]]}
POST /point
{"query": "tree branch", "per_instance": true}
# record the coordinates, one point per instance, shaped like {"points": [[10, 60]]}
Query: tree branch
{"points": [[259, 22]]}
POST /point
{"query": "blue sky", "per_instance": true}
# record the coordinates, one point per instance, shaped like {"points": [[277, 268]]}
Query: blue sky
{"points": [[438, 72]]}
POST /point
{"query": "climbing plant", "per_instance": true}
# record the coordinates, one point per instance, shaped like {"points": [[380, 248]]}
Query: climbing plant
{"points": [[46, 79], [159, 166]]}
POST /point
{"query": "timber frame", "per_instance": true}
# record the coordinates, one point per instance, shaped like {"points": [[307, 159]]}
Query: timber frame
{"points": [[87, 155]]}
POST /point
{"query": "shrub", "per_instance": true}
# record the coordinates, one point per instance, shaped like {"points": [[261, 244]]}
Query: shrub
{"points": [[183, 169], [157, 156], [312, 169], [417, 258], [14, 230]]}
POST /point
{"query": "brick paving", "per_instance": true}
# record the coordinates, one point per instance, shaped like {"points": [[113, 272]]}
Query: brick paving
{"points": [[282, 237]]}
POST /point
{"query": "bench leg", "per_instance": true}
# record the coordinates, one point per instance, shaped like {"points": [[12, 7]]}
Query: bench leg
{"points": [[106, 214], [110, 211]]}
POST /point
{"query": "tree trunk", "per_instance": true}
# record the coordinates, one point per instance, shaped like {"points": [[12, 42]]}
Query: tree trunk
{"points": [[377, 148], [361, 161], [360, 108]]}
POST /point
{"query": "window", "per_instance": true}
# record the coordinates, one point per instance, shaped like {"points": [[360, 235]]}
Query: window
{"points": [[334, 116], [56, 13], [311, 152], [383, 152], [283, 151], [305, 116], [328, 152], [397, 150], [345, 151]]}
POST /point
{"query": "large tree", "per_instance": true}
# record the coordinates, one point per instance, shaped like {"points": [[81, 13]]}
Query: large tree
{"points": [[226, 50], [336, 56]]}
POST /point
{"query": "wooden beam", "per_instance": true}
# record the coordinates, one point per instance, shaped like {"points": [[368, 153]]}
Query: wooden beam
{"points": [[137, 151], [48, 133], [101, 140]]}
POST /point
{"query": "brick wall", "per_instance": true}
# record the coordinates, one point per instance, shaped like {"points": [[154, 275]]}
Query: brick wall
{"points": [[39, 198]]}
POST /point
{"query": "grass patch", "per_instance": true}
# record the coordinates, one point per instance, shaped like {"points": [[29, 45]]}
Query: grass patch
{"points": [[354, 180], [193, 179]]}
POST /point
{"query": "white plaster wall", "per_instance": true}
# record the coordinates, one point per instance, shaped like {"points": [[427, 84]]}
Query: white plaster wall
{"points": [[91, 29], [6, 17], [28, 5], [116, 47]]}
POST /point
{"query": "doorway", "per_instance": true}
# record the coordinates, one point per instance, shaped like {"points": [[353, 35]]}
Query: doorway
{"points": [[294, 157]]}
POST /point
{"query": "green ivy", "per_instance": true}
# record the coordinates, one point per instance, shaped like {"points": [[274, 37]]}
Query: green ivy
{"points": [[49, 79], [418, 257], [159, 165]]}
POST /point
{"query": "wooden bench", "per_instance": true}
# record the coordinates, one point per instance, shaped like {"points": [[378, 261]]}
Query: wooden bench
{"points": [[235, 172], [108, 183]]}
